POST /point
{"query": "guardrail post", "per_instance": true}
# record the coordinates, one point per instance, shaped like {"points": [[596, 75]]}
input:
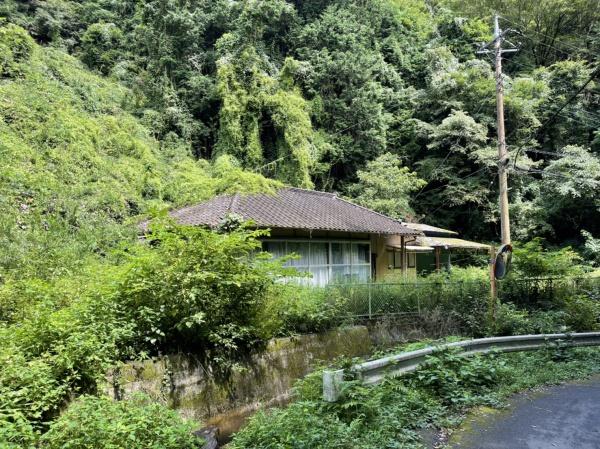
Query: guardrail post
{"points": [[332, 384]]}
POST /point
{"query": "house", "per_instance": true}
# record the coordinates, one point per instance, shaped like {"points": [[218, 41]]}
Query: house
{"points": [[335, 239]]}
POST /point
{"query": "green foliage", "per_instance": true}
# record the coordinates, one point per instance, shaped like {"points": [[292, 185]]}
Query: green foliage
{"points": [[92, 422], [311, 93], [509, 320], [296, 309], [591, 249], [195, 288], [77, 167], [452, 378], [16, 47], [261, 118], [385, 186], [100, 46], [15, 431], [582, 313], [531, 259], [184, 288]]}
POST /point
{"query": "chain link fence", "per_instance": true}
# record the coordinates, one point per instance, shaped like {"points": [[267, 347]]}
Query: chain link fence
{"points": [[407, 298]]}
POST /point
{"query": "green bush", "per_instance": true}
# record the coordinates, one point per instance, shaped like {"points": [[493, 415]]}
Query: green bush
{"points": [[191, 288], [91, 422], [510, 321], [100, 46], [454, 379], [547, 322], [16, 47], [16, 432], [296, 309], [582, 313], [532, 260]]}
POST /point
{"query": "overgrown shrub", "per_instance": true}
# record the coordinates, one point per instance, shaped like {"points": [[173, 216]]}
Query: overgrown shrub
{"points": [[510, 321], [197, 289], [582, 313], [184, 287], [97, 422], [16, 431], [532, 260], [16, 47], [294, 308]]}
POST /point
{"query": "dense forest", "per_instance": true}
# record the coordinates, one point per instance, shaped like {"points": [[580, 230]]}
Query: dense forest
{"points": [[112, 111], [384, 101]]}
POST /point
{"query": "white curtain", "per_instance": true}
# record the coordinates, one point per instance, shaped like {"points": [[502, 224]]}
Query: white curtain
{"points": [[341, 253], [301, 249], [277, 249], [320, 276], [319, 254], [360, 253]]}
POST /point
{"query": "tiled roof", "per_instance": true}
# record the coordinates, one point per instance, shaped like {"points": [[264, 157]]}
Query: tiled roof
{"points": [[293, 208]]}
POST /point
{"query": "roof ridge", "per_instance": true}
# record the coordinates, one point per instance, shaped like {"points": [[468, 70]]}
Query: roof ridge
{"points": [[233, 203], [312, 191], [375, 212]]}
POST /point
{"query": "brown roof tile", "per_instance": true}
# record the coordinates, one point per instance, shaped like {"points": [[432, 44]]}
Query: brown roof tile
{"points": [[293, 208]]}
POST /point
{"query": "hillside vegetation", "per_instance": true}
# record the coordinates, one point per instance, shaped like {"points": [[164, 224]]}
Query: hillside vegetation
{"points": [[77, 167], [112, 111], [333, 93]]}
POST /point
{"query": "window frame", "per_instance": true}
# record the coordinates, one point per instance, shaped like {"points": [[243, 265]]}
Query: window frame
{"points": [[330, 265]]}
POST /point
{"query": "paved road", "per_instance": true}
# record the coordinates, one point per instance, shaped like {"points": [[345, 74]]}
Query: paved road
{"points": [[560, 417]]}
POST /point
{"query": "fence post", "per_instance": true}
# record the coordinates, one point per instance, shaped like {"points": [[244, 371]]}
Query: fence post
{"points": [[332, 384], [370, 287]]}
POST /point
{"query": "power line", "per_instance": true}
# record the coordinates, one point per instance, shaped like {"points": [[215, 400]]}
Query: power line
{"points": [[594, 73], [444, 203], [577, 49]]}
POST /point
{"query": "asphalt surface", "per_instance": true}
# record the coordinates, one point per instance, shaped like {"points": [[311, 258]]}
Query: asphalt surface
{"points": [[559, 417]]}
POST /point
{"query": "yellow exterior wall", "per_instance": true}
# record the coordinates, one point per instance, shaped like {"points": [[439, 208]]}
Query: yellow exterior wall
{"points": [[383, 272]]}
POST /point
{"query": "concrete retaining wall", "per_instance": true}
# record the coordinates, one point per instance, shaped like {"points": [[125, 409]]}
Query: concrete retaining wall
{"points": [[193, 388], [184, 383]]}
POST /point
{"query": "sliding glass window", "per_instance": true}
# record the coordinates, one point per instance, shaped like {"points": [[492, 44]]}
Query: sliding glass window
{"points": [[326, 261]]}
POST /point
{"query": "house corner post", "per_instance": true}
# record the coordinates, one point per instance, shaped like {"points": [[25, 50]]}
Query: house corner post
{"points": [[403, 255]]}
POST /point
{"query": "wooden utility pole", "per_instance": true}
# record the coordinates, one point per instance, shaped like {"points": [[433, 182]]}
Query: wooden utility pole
{"points": [[498, 51], [502, 153]]}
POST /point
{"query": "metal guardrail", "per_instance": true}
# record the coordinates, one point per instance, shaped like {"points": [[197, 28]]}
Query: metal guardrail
{"points": [[375, 371]]}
